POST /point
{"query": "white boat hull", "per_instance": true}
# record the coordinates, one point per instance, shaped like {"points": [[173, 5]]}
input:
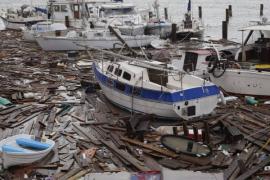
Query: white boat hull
{"points": [[66, 44], [18, 25], [166, 110], [18, 158], [245, 82]]}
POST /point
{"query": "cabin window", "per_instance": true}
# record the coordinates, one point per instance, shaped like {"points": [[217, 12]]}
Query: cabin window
{"points": [[64, 8], [118, 72], [120, 86], [126, 76], [56, 8], [110, 68], [158, 76], [190, 61]]}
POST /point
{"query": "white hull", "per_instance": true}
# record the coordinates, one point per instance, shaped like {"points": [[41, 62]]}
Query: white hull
{"points": [[244, 82], [203, 105], [66, 44], [16, 158], [169, 108], [18, 25]]}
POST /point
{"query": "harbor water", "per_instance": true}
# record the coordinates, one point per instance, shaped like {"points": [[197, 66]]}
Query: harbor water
{"points": [[244, 11]]}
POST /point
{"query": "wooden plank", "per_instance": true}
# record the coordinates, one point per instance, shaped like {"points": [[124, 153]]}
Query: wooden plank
{"points": [[84, 133], [254, 169], [125, 155], [67, 165], [151, 147]]}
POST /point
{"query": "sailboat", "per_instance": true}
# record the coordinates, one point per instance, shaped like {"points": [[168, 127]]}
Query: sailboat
{"points": [[151, 87]]}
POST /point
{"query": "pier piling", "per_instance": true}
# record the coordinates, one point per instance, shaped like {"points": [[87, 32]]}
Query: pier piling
{"points": [[200, 12], [150, 14], [173, 34], [67, 21], [227, 15], [224, 30], [166, 13], [261, 10], [230, 10]]}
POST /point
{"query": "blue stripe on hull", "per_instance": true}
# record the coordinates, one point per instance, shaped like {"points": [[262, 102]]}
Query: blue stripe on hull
{"points": [[154, 95]]}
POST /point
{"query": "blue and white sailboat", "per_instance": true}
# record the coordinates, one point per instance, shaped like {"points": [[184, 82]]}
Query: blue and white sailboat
{"points": [[151, 87]]}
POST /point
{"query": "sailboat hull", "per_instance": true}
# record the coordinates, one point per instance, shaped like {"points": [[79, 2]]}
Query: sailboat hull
{"points": [[66, 44], [186, 108]]}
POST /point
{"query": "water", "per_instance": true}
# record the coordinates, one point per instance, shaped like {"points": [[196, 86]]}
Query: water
{"points": [[244, 11]]}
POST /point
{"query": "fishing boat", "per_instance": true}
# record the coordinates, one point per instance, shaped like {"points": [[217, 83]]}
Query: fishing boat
{"points": [[121, 15], [22, 149], [151, 87], [43, 28], [94, 38], [243, 76], [24, 17], [157, 25], [190, 26], [181, 144]]}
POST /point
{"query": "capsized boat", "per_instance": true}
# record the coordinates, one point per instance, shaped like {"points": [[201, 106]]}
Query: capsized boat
{"points": [[22, 149], [93, 38], [151, 87], [181, 144], [43, 28]]}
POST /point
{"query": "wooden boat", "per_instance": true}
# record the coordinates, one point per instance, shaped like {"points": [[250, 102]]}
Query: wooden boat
{"points": [[21, 149], [180, 144], [95, 38], [150, 87]]}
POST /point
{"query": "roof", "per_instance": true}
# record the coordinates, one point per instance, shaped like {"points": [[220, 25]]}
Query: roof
{"points": [[131, 68], [257, 28]]}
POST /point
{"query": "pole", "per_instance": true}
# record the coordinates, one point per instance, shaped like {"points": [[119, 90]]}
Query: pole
{"points": [[261, 10], [224, 30], [200, 12], [173, 34], [166, 13]]}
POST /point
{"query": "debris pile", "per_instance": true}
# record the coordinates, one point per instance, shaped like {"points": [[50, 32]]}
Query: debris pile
{"points": [[53, 96]]}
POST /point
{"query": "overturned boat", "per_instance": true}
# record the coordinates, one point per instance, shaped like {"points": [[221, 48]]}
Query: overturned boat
{"points": [[181, 144], [95, 38], [22, 149], [151, 87]]}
